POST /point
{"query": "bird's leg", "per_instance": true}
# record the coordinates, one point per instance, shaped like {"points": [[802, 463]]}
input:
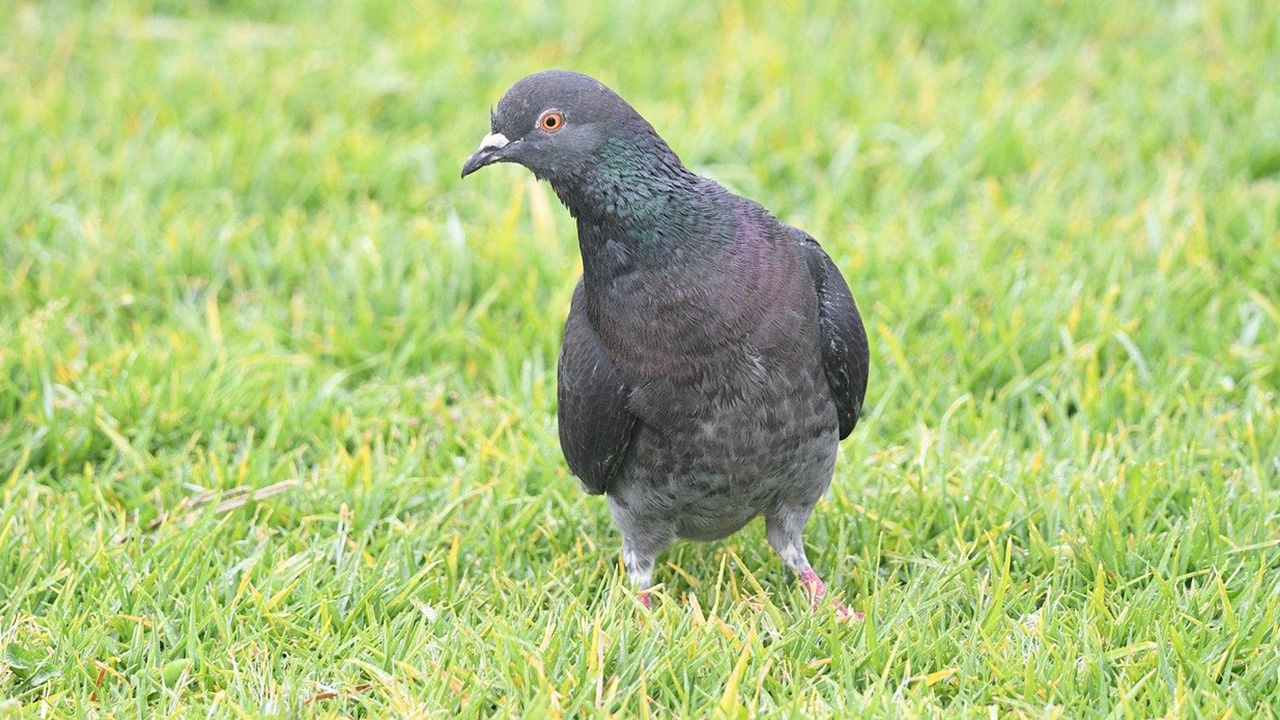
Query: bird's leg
{"points": [[639, 551], [783, 530], [640, 569], [644, 537], [791, 550]]}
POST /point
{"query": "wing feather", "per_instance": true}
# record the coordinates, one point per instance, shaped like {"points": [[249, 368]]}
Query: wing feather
{"points": [[845, 355], [595, 425]]}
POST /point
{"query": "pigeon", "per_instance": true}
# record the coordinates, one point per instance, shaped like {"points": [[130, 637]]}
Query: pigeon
{"points": [[713, 357]]}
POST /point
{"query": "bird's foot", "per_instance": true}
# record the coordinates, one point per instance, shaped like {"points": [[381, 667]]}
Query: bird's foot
{"points": [[848, 615], [818, 590], [814, 586], [643, 597]]}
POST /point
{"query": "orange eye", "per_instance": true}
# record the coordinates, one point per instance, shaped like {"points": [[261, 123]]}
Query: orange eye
{"points": [[551, 121]]}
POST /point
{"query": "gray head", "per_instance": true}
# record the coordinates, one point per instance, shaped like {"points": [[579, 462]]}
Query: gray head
{"points": [[556, 122]]}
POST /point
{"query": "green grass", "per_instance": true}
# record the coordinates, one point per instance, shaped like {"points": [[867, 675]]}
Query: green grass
{"points": [[234, 252]]}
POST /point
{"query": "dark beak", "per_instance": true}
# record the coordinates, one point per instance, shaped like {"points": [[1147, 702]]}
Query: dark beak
{"points": [[489, 152]]}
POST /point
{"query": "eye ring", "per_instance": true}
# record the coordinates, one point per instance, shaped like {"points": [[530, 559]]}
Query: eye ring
{"points": [[551, 121]]}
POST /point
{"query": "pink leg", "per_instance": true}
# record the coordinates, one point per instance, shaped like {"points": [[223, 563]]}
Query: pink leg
{"points": [[783, 528], [644, 599], [818, 589], [814, 586]]}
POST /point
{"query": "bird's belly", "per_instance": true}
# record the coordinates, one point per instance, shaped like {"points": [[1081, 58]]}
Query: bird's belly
{"points": [[710, 475]]}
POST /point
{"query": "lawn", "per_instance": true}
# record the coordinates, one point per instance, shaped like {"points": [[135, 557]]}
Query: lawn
{"points": [[277, 389]]}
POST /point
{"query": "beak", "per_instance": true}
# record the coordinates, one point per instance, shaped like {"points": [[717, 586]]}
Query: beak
{"points": [[489, 152]]}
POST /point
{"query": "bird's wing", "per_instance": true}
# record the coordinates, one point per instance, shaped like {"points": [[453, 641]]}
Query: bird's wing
{"points": [[845, 356], [595, 425]]}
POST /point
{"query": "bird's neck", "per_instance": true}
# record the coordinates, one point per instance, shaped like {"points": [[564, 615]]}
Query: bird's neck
{"points": [[636, 205]]}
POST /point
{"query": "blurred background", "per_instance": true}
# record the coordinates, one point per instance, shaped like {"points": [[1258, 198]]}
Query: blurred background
{"points": [[235, 254]]}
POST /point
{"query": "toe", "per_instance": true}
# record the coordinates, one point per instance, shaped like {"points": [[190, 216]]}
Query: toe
{"points": [[848, 615]]}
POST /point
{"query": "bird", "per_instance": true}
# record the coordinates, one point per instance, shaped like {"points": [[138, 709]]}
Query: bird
{"points": [[713, 357]]}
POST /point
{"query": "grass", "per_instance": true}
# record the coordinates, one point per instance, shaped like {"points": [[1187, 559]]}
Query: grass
{"points": [[235, 254]]}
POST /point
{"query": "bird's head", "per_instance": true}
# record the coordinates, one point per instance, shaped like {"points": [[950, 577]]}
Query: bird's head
{"points": [[556, 122]]}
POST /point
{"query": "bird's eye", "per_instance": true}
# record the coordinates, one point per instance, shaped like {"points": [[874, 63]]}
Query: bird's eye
{"points": [[551, 121]]}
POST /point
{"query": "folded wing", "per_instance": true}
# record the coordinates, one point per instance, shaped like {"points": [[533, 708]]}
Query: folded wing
{"points": [[845, 356], [595, 425]]}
